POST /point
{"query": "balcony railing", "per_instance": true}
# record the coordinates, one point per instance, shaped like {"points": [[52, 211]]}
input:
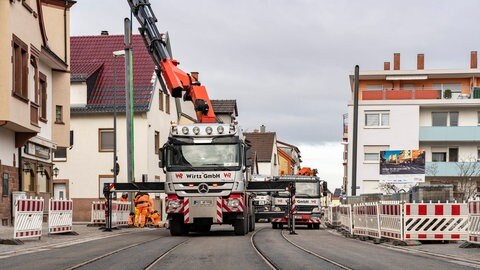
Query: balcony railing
{"points": [[454, 169], [450, 134], [410, 94]]}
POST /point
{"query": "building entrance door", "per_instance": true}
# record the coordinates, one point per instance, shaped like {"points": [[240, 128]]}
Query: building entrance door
{"points": [[60, 191]]}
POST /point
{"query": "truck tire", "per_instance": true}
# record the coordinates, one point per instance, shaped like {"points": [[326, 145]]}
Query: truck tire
{"points": [[274, 225], [316, 226], [177, 227], [241, 225], [251, 223]]}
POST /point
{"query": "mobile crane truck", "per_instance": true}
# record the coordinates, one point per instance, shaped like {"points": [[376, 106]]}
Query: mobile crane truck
{"points": [[306, 208], [206, 162]]}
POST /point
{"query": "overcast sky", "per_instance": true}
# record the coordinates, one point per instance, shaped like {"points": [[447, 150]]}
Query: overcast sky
{"points": [[287, 62]]}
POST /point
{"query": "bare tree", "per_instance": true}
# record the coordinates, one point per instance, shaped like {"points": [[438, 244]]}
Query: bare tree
{"points": [[432, 169], [468, 171], [388, 188]]}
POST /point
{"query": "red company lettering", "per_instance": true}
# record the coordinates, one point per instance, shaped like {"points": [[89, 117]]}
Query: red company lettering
{"points": [[227, 175], [179, 175]]}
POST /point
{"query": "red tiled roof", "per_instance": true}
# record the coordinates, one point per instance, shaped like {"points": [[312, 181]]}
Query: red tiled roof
{"points": [[92, 61]]}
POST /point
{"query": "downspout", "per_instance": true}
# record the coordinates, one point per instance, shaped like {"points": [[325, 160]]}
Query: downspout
{"points": [[65, 30], [20, 170]]}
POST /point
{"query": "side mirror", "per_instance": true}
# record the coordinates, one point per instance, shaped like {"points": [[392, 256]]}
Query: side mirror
{"points": [[324, 188], [161, 157]]}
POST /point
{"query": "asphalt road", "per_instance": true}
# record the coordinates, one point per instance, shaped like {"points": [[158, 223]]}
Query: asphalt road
{"points": [[221, 249]]}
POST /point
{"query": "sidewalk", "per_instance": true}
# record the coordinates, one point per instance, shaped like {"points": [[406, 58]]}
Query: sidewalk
{"points": [[85, 234]]}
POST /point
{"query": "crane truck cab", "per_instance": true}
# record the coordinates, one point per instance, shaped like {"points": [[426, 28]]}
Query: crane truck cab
{"points": [[307, 208], [206, 178]]}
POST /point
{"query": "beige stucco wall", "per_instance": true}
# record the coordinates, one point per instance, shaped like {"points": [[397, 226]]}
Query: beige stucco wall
{"points": [[61, 96], [55, 27]]}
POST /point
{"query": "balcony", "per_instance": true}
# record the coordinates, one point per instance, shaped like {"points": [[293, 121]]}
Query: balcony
{"points": [[449, 134], [453, 169], [417, 94]]}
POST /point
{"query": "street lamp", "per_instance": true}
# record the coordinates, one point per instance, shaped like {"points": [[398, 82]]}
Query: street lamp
{"points": [[115, 167], [55, 172]]}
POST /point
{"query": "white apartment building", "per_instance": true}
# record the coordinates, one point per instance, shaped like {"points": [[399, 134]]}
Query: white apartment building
{"points": [[433, 110]]}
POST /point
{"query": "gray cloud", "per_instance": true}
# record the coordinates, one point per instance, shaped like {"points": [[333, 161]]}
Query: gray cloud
{"points": [[287, 62]]}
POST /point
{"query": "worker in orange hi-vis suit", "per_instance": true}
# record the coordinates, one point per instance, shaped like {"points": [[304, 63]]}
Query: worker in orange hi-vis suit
{"points": [[155, 216], [124, 197], [142, 202], [131, 219]]}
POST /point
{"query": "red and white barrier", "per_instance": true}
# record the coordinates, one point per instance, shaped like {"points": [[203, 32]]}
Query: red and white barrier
{"points": [[332, 215], [98, 213], [60, 215], [366, 220], [346, 222], [391, 219], [436, 221], [28, 218], [120, 213], [474, 222]]}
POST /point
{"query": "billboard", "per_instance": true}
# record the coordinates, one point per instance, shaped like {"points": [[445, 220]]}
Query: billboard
{"points": [[402, 166]]}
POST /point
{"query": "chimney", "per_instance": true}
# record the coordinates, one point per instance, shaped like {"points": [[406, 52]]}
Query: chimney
{"points": [[262, 128], [473, 59], [420, 61], [396, 61], [386, 65], [194, 76], [104, 33]]}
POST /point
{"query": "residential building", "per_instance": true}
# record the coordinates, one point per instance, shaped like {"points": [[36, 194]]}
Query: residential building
{"points": [[97, 91], [289, 158], [34, 96], [264, 152], [225, 110], [436, 110]]}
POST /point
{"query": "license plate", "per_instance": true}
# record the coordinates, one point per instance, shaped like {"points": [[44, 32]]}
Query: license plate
{"points": [[202, 202], [298, 217]]}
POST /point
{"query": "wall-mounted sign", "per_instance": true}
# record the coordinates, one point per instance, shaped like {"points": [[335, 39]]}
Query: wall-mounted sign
{"points": [[37, 150]]}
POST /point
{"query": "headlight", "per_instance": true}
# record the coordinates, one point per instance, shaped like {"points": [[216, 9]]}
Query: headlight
{"points": [[220, 129], [316, 210], [173, 204], [196, 130], [208, 130], [185, 130], [277, 209], [233, 203]]}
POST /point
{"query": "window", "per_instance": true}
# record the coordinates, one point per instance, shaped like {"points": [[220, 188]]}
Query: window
{"points": [[60, 154], [160, 100], [377, 118], [157, 142], [478, 154], [453, 154], [167, 104], [453, 119], [275, 159], [478, 118], [443, 119], [5, 178], [34, 63], [43, 97], [105, 140], [20, 68], [372, 156], [439, 156], [59, 114], [439, 119]]}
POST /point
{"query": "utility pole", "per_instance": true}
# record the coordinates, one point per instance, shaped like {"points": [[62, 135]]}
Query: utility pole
{"points": [[115, 158], [355, 131], [129, 110]]}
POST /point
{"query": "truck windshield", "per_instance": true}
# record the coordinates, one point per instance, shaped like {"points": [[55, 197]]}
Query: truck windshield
{"points": [[203, 156], [307, 189]]}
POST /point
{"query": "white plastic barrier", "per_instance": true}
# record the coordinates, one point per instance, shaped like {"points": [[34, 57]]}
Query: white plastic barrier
{"points": [[366, 220], [60, 215], [333, 215], [391, 219], [436, 221], [474, 222], [120, 213], [28, 218], [346, 222], [98, 213]]}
